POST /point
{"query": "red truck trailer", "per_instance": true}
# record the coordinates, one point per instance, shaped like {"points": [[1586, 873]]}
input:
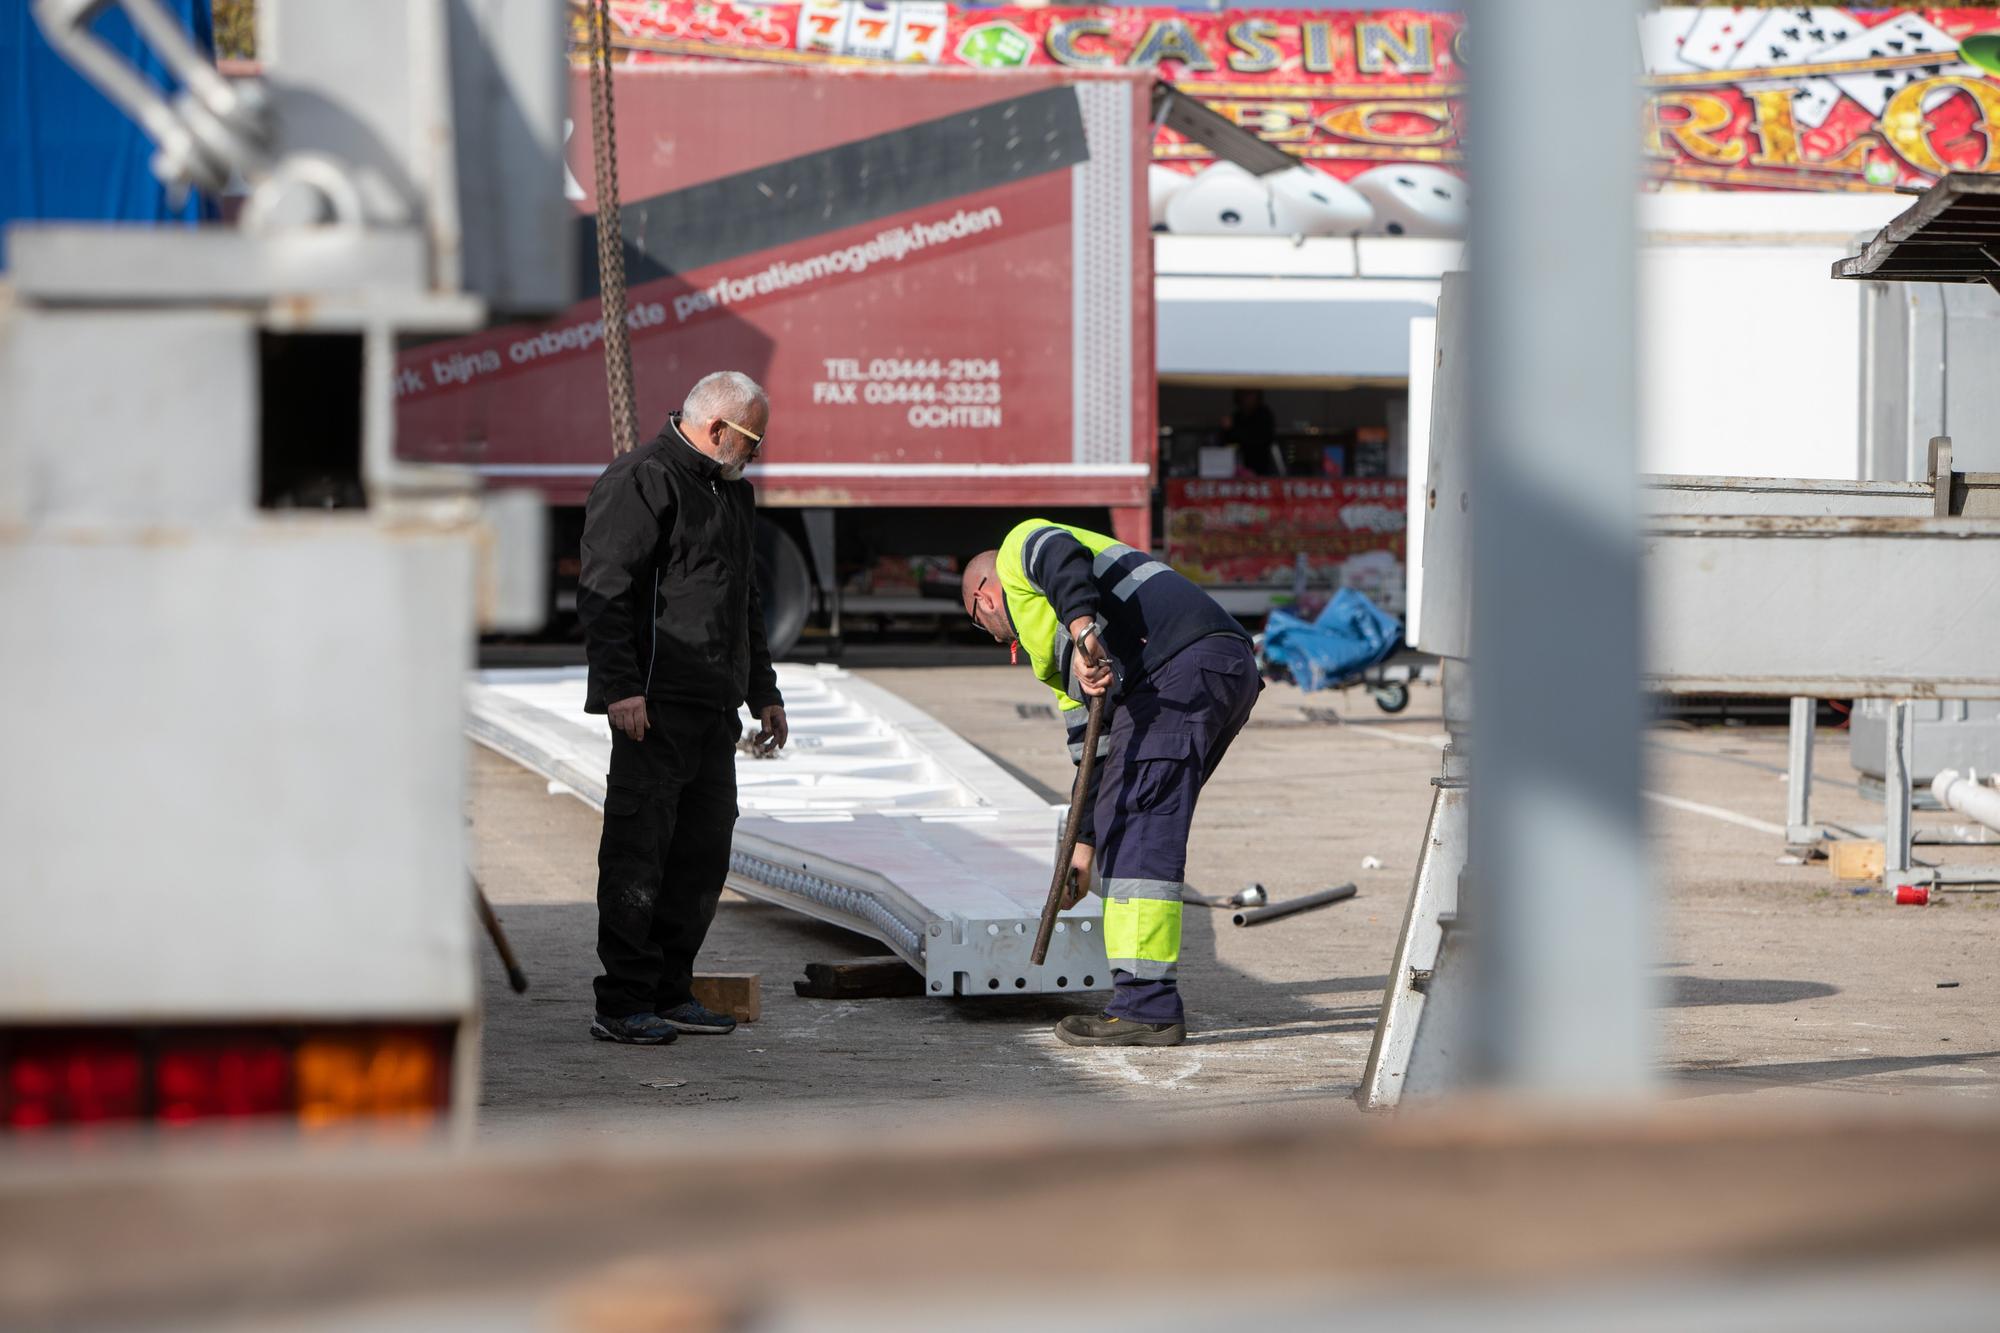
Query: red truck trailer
{"points": [[943, 278]]}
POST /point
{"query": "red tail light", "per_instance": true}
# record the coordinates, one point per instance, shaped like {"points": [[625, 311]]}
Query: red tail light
{"points": [[314, 1076], [201, 1080], [83, 1081]]}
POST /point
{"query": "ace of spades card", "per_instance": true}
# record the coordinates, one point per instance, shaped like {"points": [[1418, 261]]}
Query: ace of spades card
{"points": [[1903, 35]]}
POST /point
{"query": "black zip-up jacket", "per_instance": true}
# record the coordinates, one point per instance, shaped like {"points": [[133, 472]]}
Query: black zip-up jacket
{"points": [[668, 592]]}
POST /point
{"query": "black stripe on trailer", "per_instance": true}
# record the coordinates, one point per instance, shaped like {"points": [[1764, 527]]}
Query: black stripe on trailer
{"points": [[860, 181]]}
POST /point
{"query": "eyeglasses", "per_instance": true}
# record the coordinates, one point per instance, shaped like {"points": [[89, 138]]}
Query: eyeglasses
{"points": [[745, 431], [973, 600]]}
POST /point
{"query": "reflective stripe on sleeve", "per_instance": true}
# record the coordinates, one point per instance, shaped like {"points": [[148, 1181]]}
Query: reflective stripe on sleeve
{"points": [[1108, 557], [1130, 583], [1030, 550]]}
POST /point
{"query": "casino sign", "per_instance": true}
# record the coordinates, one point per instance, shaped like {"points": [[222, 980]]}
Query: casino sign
{"points": [[1808, 98]]}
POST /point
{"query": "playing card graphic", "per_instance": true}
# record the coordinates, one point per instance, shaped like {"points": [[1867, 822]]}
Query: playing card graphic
{"points": [[1715, 36], [1791, 37], [1903, 35], [1813, 101], [1661, 33]]}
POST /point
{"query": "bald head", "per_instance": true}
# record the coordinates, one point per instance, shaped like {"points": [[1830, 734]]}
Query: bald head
{"points": [[985, 600], [982, 568]]}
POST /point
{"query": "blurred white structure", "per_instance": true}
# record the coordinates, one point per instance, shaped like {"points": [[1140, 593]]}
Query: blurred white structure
{"points": [[233, 804], [1750, 359]]}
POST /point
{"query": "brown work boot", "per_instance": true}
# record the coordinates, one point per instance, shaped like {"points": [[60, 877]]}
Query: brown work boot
{"points": [[1104, 1030]]}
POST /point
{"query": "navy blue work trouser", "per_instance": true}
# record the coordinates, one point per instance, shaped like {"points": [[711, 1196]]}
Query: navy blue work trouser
{"points": [[1170, 730]]}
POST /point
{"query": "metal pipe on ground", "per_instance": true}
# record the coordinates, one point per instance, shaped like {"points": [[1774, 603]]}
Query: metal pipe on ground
{"points": [[1250, 895], [1257, 916], [1967, 795]]}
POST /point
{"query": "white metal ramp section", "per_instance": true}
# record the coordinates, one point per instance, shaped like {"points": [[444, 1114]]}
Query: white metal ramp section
{"points": [[875, 817]]}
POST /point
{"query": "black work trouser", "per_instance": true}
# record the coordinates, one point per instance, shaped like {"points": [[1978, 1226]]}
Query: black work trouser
{"points": [[669, 810]]}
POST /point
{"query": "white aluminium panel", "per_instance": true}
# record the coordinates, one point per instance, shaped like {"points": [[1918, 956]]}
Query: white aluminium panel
{"points": [[1423, 364], [875, 817], [1831, 607]]}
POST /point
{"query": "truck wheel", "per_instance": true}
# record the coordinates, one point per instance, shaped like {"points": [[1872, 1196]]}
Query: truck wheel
{"points": [[784, 582]]}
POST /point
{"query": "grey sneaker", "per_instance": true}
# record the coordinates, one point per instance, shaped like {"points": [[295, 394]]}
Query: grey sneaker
{"points": [[692, 1017], [1104, 1030], [633, 1029]]}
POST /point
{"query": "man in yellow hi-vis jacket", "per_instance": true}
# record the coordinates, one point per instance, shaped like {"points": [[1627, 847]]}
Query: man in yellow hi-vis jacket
{"points": [[1098, 617]]}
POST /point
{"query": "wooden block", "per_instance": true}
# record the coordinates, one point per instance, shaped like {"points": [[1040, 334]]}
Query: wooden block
{"points": [[860, 979], [738, 994], [1851, 858]]}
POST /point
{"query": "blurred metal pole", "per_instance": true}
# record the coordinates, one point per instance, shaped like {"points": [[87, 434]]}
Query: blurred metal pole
{"points": [[1556, 902]]}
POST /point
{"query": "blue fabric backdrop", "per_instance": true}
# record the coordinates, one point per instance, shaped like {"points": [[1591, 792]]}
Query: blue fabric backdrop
{"points": [[66, 153]]}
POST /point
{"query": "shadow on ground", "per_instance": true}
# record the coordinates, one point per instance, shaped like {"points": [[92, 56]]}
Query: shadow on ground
{"points": [[1697, 1078], [1688, 992]]}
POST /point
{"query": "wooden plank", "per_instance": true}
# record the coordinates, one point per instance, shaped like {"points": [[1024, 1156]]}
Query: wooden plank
{"points": [[738, 994], [1661, 1196], [1946, 214], [860, 979], [1855, 859]]}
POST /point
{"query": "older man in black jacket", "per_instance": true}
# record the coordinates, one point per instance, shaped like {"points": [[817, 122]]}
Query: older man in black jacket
{"points": [[675, 636]]}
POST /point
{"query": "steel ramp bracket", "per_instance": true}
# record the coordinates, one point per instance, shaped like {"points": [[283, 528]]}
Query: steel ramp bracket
{"points": [[971, 956], [1414, 975]]}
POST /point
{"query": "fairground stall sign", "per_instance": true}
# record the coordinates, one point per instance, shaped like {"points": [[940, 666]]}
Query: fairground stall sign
{"points": [[1345, 91], [1809, 98], [1818, 98], [1336, 531]]}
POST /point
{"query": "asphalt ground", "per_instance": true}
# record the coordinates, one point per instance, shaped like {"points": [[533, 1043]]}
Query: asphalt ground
{"points": [[1777, 983]]}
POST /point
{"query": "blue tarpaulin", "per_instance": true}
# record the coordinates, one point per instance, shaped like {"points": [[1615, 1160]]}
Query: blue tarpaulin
{"points": [[1347, 637], [66, 152]]}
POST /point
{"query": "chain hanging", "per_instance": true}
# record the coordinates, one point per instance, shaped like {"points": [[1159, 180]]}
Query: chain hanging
{"points": [[610, 236]]}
